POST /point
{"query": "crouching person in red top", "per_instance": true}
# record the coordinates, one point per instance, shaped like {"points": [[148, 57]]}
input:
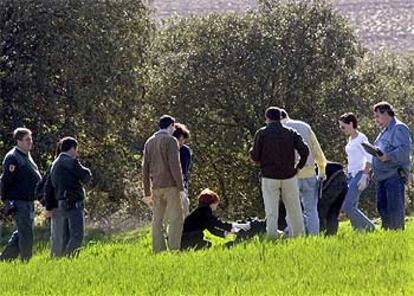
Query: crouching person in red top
{"points": [[202, 218]]}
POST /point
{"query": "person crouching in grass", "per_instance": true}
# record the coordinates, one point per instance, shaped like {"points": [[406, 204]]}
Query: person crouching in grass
{"points": [[202, 218]]}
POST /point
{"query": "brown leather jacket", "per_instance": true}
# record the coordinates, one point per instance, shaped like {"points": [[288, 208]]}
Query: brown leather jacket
{"points": [[274, 149]]}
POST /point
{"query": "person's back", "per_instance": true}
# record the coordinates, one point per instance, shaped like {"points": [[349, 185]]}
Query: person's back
{"points": [[274, 149], [276, 153], [68, 177], [161, 153], [304, 130]]}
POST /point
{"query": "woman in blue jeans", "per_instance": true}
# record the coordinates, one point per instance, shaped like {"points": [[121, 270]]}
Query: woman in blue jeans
{"points": [[359, 165]]}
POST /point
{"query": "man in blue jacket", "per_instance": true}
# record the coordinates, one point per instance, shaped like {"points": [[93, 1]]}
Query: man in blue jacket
{"points": [[68, 176], [393, 167], [18, 182]]}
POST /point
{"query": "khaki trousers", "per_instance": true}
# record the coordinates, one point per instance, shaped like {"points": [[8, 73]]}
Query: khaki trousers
{"points": [[167, 203], [288, 190]]}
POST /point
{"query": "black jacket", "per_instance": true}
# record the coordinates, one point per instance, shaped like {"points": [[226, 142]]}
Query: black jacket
{"points": [[274, 149], [68, 177], [202, 218], [19, 177]]}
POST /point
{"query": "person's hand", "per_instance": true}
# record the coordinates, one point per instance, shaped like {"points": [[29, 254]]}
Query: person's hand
{"points": [[183, 195], [236, 227], [322, 177], [148, 201], [383, 158], [363, 182]]}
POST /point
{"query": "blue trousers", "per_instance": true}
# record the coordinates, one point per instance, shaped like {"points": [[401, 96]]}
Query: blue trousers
{"points": [[390, 202], [308, 193], [21, 241], [350, 206], [67, 229]]}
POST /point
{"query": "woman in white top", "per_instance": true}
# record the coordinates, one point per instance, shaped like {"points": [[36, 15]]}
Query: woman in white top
{"points": [[359, 165]]}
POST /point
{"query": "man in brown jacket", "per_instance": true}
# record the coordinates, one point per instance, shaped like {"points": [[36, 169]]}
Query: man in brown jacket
{"points": [[163, 185], [274, 149]]}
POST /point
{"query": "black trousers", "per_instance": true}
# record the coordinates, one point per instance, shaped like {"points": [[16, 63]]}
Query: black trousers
{"points": [[194, 240]]}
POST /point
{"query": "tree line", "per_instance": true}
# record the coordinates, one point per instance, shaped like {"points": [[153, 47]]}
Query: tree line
{"points": [[104, 71]]}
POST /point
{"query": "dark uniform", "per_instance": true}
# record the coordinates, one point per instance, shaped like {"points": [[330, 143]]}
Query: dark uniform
{"points": [[200, 219], [185, 159], [68, 177], [18, 182]]}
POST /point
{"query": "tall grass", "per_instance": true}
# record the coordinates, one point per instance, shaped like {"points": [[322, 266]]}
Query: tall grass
{"points": [[379, 263]]}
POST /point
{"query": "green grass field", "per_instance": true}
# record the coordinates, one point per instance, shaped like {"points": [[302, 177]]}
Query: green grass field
{"points": [[379, 263]]}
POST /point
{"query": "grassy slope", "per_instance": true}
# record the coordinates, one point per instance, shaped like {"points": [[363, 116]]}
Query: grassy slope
{"points": [[379, 263]]}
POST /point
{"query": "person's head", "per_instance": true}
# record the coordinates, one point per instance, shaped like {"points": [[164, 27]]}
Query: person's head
{"points": [[273, 114], [181, 133], [167, 122], [209, 197], [348, 123], [23, 138], [383, 114], [69, 145]]}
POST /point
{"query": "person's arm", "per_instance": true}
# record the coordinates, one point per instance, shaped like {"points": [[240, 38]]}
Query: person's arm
{"points": [[82, 172], [10, 167], [368, 157], [146, 171], [402, 144], [50, 200], [217, 227], [320, 159], [173, 155], [301, 148], [256, 150]]}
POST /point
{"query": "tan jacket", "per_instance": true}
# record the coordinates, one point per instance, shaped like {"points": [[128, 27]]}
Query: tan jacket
{"points": [[161, 163]]}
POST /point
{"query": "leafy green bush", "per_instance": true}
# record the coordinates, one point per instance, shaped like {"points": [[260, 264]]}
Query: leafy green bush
{"points": [[220, 72], [75, 68]]}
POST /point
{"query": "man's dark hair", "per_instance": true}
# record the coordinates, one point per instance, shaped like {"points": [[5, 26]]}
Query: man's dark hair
{"points": [[273, 113], [20, 132], [283, 114], [181, 130], [166, 121], [384, 107], [58, 149], [68, 143], [349, 118]]}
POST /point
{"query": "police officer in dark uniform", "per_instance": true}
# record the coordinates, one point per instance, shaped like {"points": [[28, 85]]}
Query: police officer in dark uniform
{"points": [[18, 182], [68, 177]]}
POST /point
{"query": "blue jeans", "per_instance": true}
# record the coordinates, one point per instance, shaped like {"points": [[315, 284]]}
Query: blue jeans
{"points": [[350, 206], [390, 202], [21, 241], [59, 233], [308, 192], [69, 229]]}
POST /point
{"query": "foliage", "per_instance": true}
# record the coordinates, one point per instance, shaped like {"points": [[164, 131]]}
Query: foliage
{"points": [[75, 68]]}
